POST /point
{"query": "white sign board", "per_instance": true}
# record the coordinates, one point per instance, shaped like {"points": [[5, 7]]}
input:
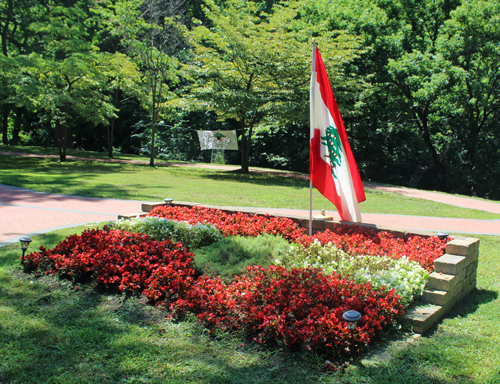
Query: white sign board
{"points": [[218, 140]]}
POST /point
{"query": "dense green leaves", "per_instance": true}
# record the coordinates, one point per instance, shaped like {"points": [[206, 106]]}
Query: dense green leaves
{"points": [[417, 82], [254, 67]]}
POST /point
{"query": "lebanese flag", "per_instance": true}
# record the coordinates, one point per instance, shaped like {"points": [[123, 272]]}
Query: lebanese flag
{"points": [[333, 170]]}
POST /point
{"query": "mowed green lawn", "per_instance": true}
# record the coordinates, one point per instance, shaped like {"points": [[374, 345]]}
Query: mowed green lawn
{"points": [[200, 185], [52, 331]]}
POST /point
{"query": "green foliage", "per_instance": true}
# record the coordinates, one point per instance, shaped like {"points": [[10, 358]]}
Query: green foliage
{"points": [[191, 236], [146, 31], [406, 277], [67, 78], [417, 82], [53, 331], [433, 103], [254, 67], [231, 256]]}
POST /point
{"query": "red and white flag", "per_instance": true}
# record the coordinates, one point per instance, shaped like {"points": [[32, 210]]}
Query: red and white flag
{"points": [[333, 170]]}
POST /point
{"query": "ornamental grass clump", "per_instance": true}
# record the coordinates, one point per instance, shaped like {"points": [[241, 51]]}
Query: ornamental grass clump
{"points": [[190, 235], [231, 256], [406, 277]]}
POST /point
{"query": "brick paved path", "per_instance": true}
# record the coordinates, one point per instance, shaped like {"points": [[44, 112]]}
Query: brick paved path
{"points": [[27, 213]]}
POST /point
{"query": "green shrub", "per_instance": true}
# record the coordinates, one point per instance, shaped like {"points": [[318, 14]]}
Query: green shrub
{"points": [[231, 256], [191, 236]]}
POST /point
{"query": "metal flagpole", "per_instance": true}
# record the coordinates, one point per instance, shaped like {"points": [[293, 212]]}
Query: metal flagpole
{"points": [[313, 71]]}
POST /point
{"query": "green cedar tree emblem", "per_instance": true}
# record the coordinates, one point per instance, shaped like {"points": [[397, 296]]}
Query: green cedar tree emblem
{"points": [[332, 141]]}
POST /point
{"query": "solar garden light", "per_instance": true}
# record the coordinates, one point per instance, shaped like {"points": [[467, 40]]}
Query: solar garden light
{"points": [[442, 235], [25, 243], [352, 317], [168, 201]]}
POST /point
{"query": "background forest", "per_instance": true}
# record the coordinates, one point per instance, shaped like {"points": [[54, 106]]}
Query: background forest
{"points": [[417, 81]]}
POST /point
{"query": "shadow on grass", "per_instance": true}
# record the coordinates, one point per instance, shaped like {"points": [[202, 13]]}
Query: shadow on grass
{"points": [[256, 178], [473, 301], [58, 178], [73, 178], [55, 334]]}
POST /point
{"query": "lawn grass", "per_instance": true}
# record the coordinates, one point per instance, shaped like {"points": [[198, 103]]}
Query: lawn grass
{"points": [[37, 150], [52, 332], [231, 256], [205, 186]]}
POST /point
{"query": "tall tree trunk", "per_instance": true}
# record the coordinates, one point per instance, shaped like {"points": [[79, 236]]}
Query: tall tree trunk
{"points": [[68, 124], [17, 124], [111, 128], [247, 152], [60, 134], [426, 136], [5, 123], [153, 133], [244, 162]]}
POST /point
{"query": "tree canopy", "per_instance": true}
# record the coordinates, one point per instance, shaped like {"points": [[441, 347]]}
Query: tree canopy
{"points": [[417, 82]]}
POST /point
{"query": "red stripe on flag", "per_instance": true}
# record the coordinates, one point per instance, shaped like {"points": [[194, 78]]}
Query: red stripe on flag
{"points": [[329, 100]]}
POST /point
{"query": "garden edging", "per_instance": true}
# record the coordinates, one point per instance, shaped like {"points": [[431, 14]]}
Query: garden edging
{"points": [[454, 276]]}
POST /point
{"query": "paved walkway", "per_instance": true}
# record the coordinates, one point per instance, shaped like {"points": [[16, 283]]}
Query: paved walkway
{"points": [[28, 213]]}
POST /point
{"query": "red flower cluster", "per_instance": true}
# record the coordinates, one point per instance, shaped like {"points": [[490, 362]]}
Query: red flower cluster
{"points": [[301, 308], [351, 239], [234, 224], [121, 260], [365, 241]]}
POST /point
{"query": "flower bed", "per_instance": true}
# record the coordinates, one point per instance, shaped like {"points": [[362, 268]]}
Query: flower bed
{"points": [[351, 239], [407, 277], [129, 262], [301, 307], [234, 224]]}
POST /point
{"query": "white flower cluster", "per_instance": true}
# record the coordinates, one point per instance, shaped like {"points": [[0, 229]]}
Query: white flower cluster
{"points": [[191, 236], [408, 278]]}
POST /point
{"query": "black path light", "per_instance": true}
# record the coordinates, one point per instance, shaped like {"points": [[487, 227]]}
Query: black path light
{"points": [[442, 235], [25, 243], [352, 317]]}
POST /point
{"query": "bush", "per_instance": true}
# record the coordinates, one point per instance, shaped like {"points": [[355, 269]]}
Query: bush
{"points": [[232, 255], [191, 236]]}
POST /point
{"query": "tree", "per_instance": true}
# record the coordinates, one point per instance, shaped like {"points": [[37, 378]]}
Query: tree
{"points": [[254, 67], [470, 43], [17, 40], [70, 74], [404, 116], [148, 36]]}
